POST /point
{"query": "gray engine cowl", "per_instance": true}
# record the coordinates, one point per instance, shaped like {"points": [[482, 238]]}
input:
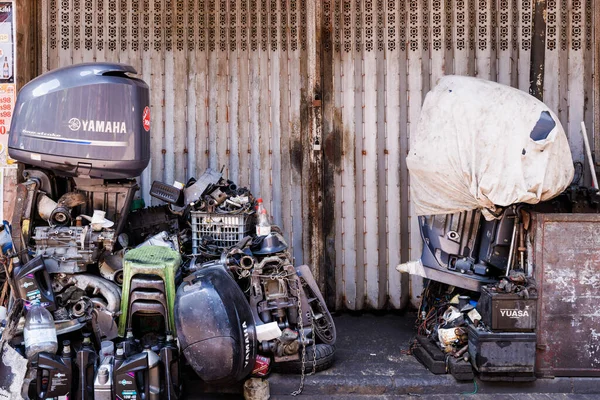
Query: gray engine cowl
{"points": [[71, 249], [84, 120]]}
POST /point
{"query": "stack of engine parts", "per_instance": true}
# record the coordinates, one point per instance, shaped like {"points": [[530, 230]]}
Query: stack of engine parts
{"points": [[492, 332], [102, 294]]}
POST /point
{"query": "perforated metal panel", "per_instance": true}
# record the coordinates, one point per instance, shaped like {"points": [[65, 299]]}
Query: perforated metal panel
{"points": [[229, 80]]}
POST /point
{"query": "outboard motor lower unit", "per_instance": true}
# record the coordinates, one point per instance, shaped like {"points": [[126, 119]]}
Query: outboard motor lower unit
{"points": [[215, 326], [89, 120]]}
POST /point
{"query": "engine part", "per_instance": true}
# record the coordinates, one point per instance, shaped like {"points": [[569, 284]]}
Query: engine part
{"points": [[103, 322], [167, 193], [71, 249], [26, 194], [271, 244], [45, 206], [107, 289], [195, 191], [161, 239], [45, 179], [219, 345], [147, 222], [113, 198], [111, 268], [84, 104], [323, 322]]}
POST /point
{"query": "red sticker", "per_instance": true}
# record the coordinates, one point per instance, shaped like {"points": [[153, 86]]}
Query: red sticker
{"points": [[146, 118]]}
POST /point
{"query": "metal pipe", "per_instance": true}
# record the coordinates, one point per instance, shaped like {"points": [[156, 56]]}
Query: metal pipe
{"points": [[110, 291], [588, 151], [512, 246]]}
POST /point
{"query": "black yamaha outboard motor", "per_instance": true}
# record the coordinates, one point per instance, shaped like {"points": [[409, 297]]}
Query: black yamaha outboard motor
{"points": [[215, 326]]}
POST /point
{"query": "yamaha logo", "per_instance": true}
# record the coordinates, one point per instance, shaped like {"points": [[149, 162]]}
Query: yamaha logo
{"points": [[126, 382], [91, 125], [246, 344], [74, 124]]}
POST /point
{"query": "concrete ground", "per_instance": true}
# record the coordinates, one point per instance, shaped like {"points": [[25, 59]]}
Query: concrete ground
{"points": [[371, 362]]}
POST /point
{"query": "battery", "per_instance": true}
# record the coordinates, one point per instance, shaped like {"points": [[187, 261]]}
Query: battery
{"points": [[507, 312]]}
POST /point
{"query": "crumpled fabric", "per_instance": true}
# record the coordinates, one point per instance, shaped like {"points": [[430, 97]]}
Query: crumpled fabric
{"points": [[483, 145]]}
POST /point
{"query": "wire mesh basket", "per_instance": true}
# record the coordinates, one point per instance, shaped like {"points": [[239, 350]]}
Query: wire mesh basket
{"points": [[224, 229]]}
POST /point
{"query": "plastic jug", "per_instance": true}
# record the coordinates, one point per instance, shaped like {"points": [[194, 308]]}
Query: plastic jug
{"points": [[53, 377], [153, 373], [169, 355], [32, 282], [131, 377], [104, 380], [86, 363], [39, 332]]}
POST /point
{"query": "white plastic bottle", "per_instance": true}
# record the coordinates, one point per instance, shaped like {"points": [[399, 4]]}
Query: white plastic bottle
{"points": [[39, 332], [263, 226]]}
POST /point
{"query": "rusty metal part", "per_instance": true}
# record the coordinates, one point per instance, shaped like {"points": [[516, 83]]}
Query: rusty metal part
{"points": [[522, 247], [109, 290], [462, 351], [513, 242], [567, 271]]}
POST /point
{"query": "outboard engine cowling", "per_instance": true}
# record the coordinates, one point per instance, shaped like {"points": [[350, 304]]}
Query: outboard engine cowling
{"points": [[90, 120], [215, 326]]}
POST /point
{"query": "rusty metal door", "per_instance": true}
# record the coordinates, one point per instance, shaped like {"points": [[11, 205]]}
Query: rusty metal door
{"points": [[567, 271]]}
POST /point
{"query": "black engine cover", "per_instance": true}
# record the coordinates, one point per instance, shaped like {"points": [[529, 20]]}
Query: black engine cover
{"points": [[215, 326]]}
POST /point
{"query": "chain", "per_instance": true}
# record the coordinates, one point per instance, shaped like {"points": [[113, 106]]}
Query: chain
{"points": [[303, 340]]}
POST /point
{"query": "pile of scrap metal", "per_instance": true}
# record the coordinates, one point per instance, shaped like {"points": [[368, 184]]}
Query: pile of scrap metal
{"points": [[473, 193], [103, 298], [459, 330]]}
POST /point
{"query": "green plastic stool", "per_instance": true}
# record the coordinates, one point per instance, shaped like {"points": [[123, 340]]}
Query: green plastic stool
{"points": [[158, 261]]}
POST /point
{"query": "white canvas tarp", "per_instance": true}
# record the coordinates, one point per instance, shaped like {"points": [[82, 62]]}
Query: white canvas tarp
{"points": [[480, 144]]}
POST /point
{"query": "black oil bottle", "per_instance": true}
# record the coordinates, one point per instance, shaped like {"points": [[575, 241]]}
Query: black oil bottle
{"points": [[130, 344], [68, 361], [53, 377], [86, 365], [32, 282], [131, 378], [169, 355]]}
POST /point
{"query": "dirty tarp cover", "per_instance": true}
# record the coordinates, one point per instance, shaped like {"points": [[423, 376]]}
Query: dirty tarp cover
{"points": [[480, 144]]}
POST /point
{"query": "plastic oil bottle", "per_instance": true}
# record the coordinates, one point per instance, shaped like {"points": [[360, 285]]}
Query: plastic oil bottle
{"points": [[153, 373], [32, 282], [86, 363], [53, 377], [103, 384], [131, 377], [39, 332], [169, 355]]}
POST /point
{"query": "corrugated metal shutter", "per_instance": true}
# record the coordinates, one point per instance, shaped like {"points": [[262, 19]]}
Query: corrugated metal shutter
{"points": [[226, 82], [230, 86], [385, 56]]}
